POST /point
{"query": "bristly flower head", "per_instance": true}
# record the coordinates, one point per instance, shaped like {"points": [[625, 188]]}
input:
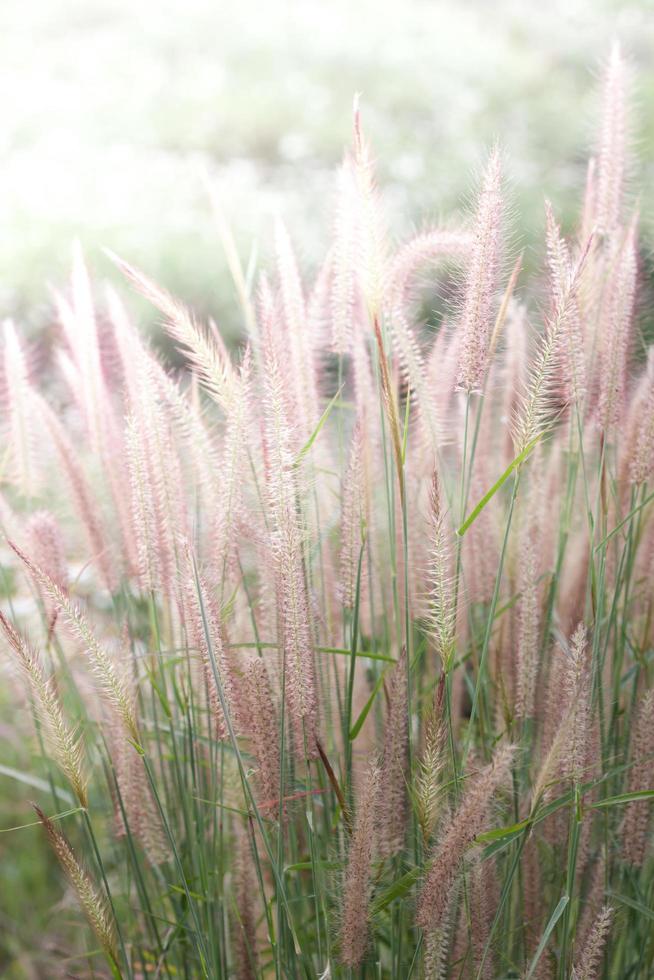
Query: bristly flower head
{"points": [[354, 932], [392, 781], [481, 281], [113, 683], [353, 521], [373, 246], [62, 740], [641, 462], [441, 617], [467, 822], [612, 155], [93, 904], [616, 320], [587, 966]]}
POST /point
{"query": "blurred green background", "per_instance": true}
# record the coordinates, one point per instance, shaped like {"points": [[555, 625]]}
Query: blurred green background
{"points": [[112, 110]]}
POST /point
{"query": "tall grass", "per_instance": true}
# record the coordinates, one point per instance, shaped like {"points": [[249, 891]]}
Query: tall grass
{"points": [[338, 648]]}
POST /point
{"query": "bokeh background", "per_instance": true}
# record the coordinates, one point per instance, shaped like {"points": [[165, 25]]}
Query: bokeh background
{"points": [[112, 112]]}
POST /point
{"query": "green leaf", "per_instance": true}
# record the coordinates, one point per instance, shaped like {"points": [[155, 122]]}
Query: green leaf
{"points": [[340, 651], [310, 865], [626, 520], [633, 904], [556, 915], [358, 724], [497, 486], [370, 654], [398, 889], [492, 835], [642, 794], [314, 435]]}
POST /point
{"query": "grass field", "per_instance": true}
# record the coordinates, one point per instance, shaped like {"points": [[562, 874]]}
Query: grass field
{"points": [[326, 636]]}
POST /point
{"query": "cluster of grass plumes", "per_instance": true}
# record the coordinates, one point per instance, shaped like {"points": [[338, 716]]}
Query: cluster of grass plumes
{"points": [[341, 645]]}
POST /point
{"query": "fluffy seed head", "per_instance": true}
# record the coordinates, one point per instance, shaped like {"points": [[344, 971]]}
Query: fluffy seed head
{"points": [[354, 935], [62, 739], [92, 902], [481, 282], [467, 822]]}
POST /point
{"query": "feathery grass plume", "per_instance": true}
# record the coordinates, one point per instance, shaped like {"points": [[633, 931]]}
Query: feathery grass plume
{"points": [[44, 534], [158, 416], [586, 968], [616, 316], [576, 683], [78, 320], [92, 902], [469, 820], [372, 258], [481, 279], [230, 507], [439, 952], [353, 520], [98, 542], [20, 425], [634, 832], [158, 506], [639, 454], [62, 740], [194, 443], [534, 414], [514, 370], [286, 537], [262, 728], [113, 683], [430, 245], [561, 273], [612, 151], [556, 736], [136, 812], [413, 366], [204, 349], [567, 732], [245, 927], [298, 343], [441, 616], [46, 544], [532, 885], [441, 368], [392, 803], [143, 516], [528, 630], [82, 366], [344, 293], [483, 541], [435, 955], [484, 897], [587, 220], [207, 635], [594, 902], [434, 245], [354, 933], [432, 763]]}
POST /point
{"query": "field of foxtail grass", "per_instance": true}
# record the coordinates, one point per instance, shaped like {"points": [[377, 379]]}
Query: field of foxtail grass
{"points": [[334, 653]]}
